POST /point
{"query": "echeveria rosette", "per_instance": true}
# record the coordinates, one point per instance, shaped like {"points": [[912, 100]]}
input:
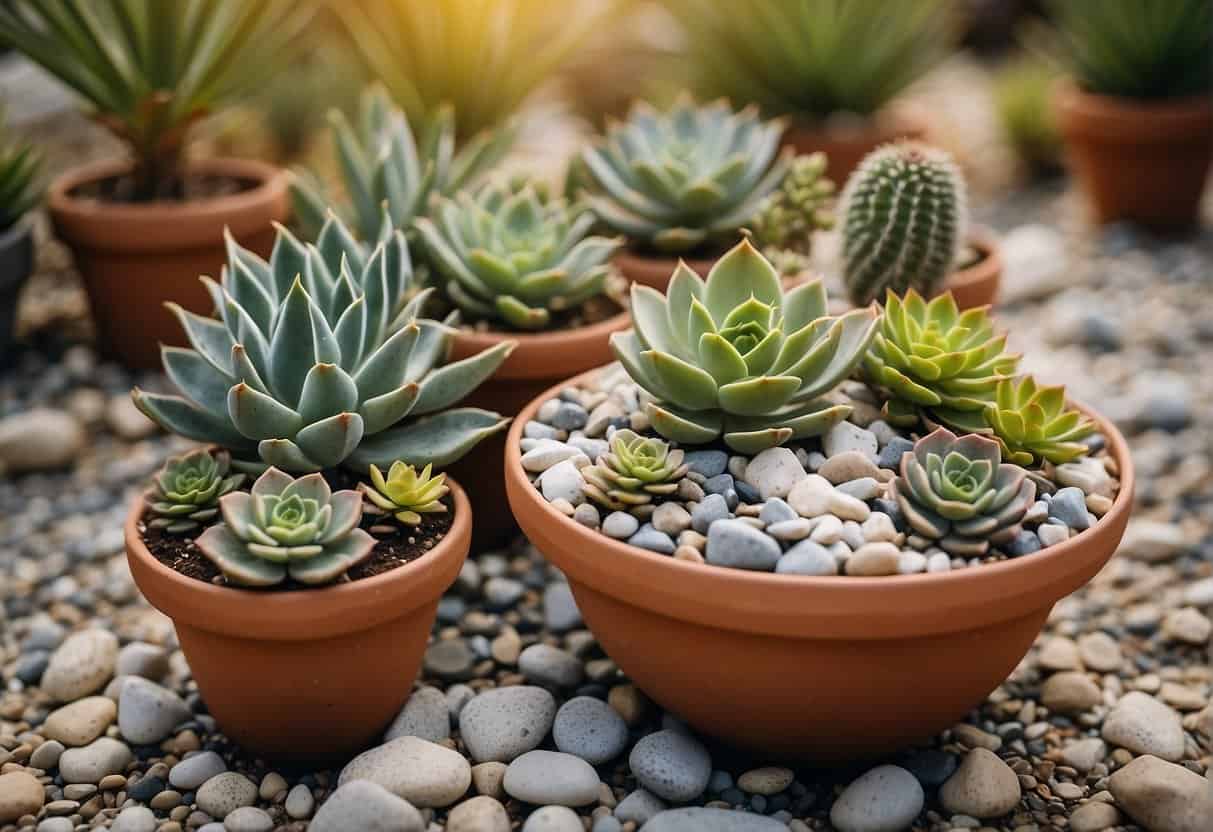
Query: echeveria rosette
{"points": [[406, 494], [317, 357], [510, 254], [686, 179], [933, 357], [736, 356], [634, 471], [1032, 423], [959, 492], [185, 492], [285, 527]]}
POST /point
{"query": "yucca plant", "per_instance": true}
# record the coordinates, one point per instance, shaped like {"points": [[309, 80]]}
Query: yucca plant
{"points": [[151, 69], [686, 179], [383, 165], [483, 58], [317, 358], [1145, 49], [19, 187], [736, 356], [510, 254], [811, 58]]}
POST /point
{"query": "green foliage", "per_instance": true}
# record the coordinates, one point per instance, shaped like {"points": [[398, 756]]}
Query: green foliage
{"points": [[783, 228], [1033, 424], [634, 470], [932, 357], [383, 164], [484, 58], [1149, 49], [317, 357], [151, 69], [737, 356], [1022, 93], [957, 491], [406, 494], [687, 179], [812, 58], [904, 215], [19, 187], [285, 527], [185, 493], [510, 254]]}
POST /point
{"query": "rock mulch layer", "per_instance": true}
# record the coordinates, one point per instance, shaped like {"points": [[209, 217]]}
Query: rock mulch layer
{"points": [[519, 720]]}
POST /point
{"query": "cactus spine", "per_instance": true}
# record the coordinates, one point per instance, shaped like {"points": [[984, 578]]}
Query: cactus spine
{"points": [[904, 216]]}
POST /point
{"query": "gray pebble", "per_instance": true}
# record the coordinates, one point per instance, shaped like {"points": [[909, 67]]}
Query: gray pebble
{"points": [[590, 729], [891, 454], [707, 463], [713, 508], [807, 558], [367, 807], [570, 416], [696, 819], [560, 613], [553, 819], [671, 765], [550, 666], [776, 510], [425, 715], [504, 723], [1069, 505], [737, 544], [639, 807], [649, 538], [620, 525], [552, 777], [148, 713], [195, 770], [248, 819]]}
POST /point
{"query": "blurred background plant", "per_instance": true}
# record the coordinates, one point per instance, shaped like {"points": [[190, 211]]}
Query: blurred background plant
{"points": [[150, 70], [1023, 87], [19, 184]]}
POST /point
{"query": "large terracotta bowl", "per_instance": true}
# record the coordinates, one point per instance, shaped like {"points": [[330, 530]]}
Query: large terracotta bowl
{"points": [[820, 669], [311, 674]]}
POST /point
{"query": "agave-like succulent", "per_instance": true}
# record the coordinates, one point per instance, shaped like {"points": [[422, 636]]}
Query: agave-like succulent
{"points": [[959, 492], [315, 362], [932, 356], [1031, 423], [783, 227], [634, 471], [286, 527], [186, 491], [509, 253], [406, 494], [737, 356], [383, 166], [686, 179]]}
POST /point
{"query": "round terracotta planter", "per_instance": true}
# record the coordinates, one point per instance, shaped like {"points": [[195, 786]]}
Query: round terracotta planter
{"points": [[538, 361], [311, 674], [16, 264], [657, 271], [136, 256], [978, 284], [819, 669], [846, 147], [1137, 160]]}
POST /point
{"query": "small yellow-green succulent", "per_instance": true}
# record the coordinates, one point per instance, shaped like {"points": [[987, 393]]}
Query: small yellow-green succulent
{"points": [[634, 471], [406, 494]]}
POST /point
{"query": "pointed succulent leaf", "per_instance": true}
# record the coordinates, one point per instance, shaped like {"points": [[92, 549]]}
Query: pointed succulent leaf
{"points": [[440, 439]]}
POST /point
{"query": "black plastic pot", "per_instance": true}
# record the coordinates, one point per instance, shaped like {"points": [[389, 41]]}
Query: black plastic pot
{"points": [[16, 263]]}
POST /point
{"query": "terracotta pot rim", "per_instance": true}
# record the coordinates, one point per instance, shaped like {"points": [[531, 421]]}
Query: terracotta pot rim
{"points": [[272, 181], [538, 353], [873, 608], [232, 611], [988, 267], [1109, 118]]}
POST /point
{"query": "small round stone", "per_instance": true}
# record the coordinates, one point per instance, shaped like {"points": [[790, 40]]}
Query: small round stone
{"points": [[248, 819], [299, 802], [480, 814], [503, 723], [195, 770], [552, 777], [983, 787], [423, 773], [81, 722], [81, 665], [425, 715], [590, 729], [550, 666], [20, 794], [553, 819], [367, 807], [225, 793], [94, 761], [885, 799], [148, 713], [620, 525], [765, 781], [671, 765]]}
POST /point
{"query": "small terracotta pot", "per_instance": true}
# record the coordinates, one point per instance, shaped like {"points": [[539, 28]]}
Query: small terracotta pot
{"points": [[1138, 160], [311, 674], [136, 256], [539, 360], [16, 264], [657, 271], [978, 284], [846, 147], [820, 669]]}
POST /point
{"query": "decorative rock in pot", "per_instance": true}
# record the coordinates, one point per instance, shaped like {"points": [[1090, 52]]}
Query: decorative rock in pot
{"points": [[812, 510], [303, 605]]}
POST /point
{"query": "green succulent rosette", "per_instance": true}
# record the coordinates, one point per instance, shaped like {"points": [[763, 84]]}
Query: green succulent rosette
{"points": [[406, 494], [736, 357], [185, 492], [634, 471]]}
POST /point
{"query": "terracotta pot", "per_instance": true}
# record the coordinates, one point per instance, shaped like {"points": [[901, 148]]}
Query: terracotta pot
{"points": [[311, 674], [846, 147], [978, 284], [657, 271], [16, 264], [135, 257], [1138, 160], [820, 669], [539, 361]]}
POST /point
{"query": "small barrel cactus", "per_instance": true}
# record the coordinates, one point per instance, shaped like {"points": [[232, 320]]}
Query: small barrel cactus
{"points": [[1033, 423], [932, 357], [783, 228], [634, 471], [959, 492], [903, 221], [404, 493], [511, 254], [687, 179], [286, 527], [185, 493], [736, 356]]}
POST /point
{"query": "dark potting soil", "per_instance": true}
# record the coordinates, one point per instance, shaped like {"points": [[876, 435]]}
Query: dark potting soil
{"points": [[402, 546], [122, 189]]}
